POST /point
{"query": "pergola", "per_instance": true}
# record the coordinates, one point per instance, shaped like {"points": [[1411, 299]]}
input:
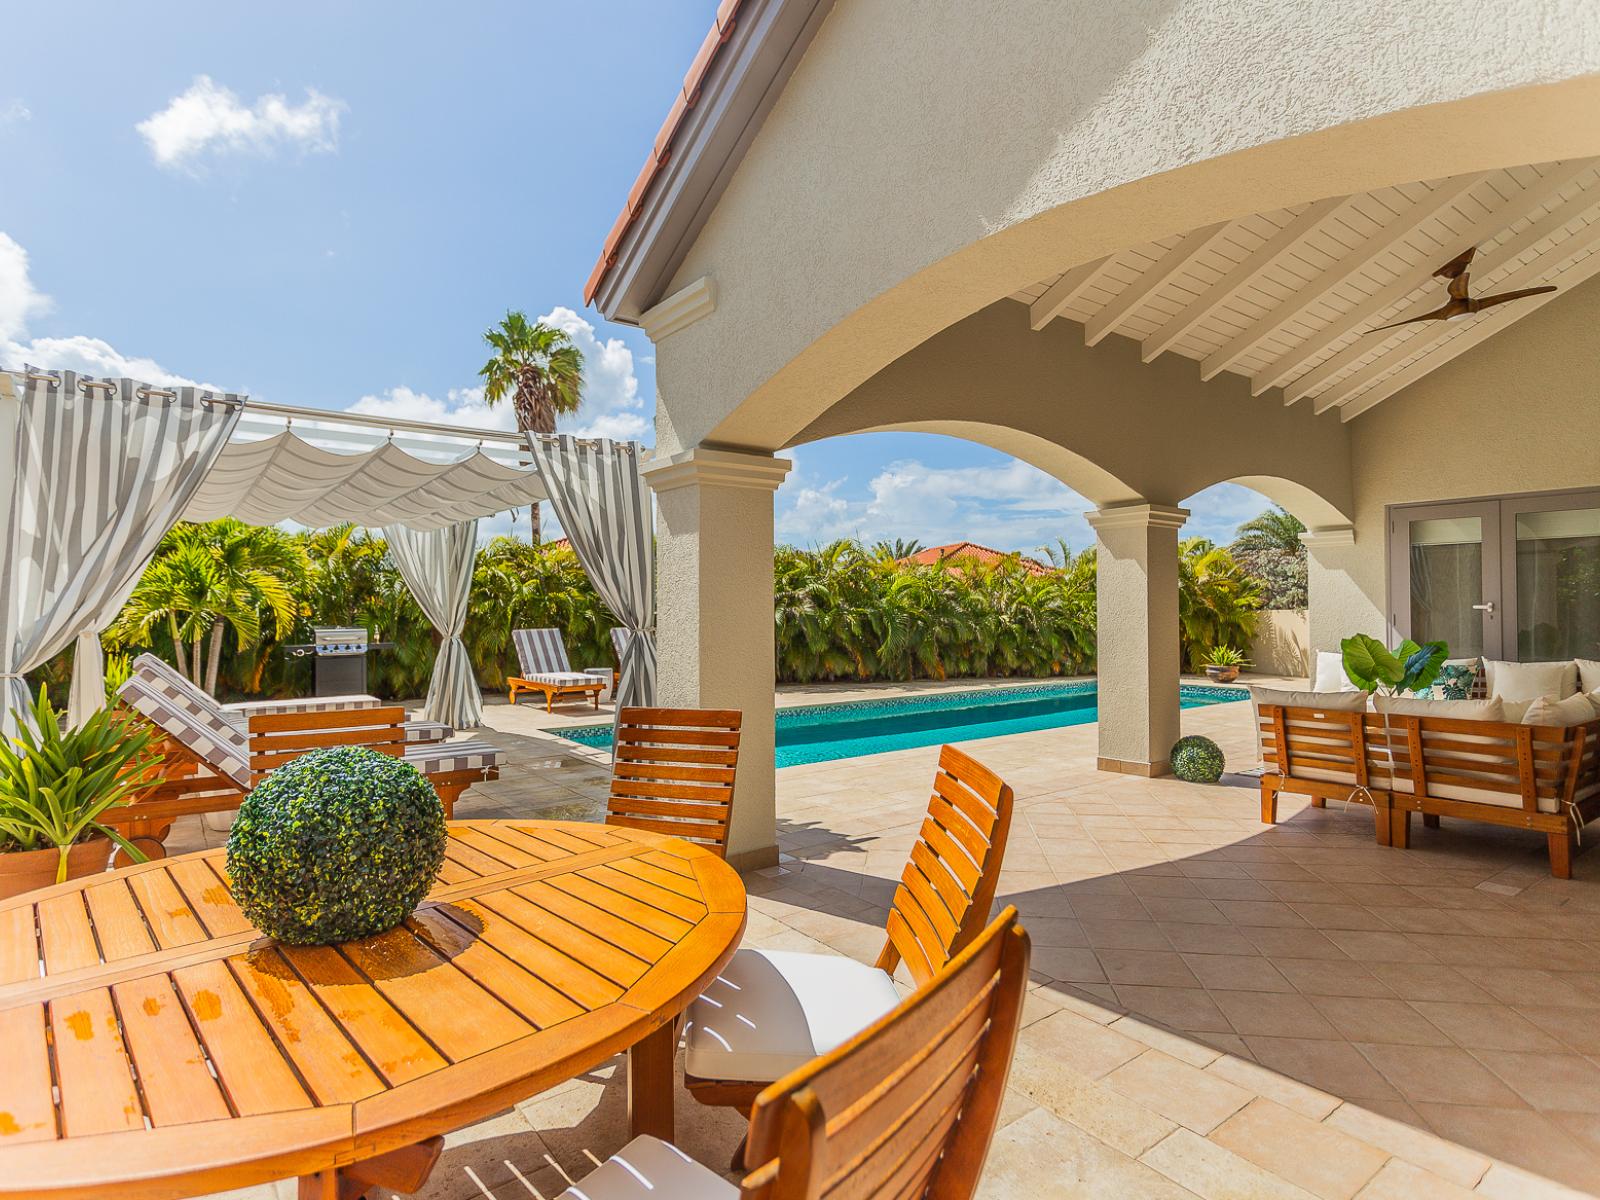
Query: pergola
{"points": [[102, 469]]}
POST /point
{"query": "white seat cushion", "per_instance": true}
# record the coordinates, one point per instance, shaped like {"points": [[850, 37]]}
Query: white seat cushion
{"points": [[770, 1011], [1574, 710], [650, 1169]]}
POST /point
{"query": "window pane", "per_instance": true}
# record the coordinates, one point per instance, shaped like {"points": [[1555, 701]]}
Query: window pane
{"points": [[1446, 581], [1558, 584]]}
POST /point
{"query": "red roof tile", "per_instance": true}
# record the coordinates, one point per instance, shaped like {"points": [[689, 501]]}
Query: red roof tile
{"points": [[956, 552], [686, 99]]}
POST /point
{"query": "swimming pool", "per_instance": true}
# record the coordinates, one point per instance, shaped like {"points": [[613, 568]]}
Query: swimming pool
{"points": [[823, 732]]}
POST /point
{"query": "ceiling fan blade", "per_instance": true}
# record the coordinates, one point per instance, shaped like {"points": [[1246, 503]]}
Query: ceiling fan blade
{"points": [[1457, 265], [1443, 313], [1484, 302]]}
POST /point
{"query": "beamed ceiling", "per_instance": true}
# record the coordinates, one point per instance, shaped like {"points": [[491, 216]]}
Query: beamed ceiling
{"points": [[1291, 298]]}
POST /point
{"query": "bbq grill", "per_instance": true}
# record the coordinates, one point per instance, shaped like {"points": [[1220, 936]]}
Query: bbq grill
{"points": [[341, 653]]}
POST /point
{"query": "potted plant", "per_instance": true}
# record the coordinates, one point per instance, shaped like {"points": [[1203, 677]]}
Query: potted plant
{"points": [[1223, 663], [56, 784]]}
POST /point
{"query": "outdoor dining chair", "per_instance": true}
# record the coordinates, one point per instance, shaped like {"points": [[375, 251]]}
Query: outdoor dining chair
{"points": [[905, 1108], [672, 772], [771, 1011], [542, 657]]}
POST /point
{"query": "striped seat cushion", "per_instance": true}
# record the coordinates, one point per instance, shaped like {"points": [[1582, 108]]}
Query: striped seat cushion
{"points": [[445, 757], [195, 725], [541, 652], [565, 678]]}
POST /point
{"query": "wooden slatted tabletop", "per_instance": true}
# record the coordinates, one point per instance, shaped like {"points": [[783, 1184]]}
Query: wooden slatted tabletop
{"points": [[156, 1045]]}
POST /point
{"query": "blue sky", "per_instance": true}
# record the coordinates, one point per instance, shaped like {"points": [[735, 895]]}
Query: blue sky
{"points": [[327, 205]]}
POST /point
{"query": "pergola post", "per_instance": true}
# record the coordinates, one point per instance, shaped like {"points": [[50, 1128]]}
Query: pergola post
{"points": [[1137, 639], [714, 623]]}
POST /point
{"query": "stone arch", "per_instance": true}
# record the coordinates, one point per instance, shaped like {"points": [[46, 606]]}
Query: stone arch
{"points": [[1314, 509]]}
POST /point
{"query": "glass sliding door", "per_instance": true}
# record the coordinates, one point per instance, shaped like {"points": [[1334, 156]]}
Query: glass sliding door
{"points": [[1552, 560], [1514, 577], [1446, 556]]}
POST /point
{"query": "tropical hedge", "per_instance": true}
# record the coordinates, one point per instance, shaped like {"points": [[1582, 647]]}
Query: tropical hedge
{"points": [[222, 599]]}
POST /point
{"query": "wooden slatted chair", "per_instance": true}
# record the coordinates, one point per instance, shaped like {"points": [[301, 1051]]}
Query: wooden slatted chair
{"points": [[771, 1011], [906, 1108], [672, 772]]}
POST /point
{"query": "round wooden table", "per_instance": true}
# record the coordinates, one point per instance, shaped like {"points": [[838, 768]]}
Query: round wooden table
{"points": [[156, 1045]]}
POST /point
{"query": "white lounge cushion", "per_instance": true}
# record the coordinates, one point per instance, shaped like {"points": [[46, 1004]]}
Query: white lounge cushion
{"points": [[1330, 676], [770, 1011], [1588, 675], [650, 1169], [1529, 681], [1574, 710]]}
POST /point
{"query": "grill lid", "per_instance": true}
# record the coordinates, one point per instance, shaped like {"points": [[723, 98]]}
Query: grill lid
{"points": [[332, 640]]}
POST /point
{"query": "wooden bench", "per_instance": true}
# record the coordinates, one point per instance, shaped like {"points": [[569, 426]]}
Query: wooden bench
{"points": [[1536, 777]]}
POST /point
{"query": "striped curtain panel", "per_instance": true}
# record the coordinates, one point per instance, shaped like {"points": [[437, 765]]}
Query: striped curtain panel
{"points": [[437, 567], [92, 474], [604, 509]]}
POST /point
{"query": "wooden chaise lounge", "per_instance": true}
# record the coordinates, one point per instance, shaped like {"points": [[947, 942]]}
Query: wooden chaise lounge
{"points": [[545, 669], [209, 765], [1536, 777]]}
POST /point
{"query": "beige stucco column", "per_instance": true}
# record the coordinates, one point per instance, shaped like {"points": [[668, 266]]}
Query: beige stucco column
{"points": [[1137, 603], [714, 614], [1337, 606]]}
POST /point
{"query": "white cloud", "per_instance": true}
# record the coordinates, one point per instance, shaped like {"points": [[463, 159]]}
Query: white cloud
{"points": [[210, 119], [14, 112], [460, 406], [612, 406], [20, 301]]}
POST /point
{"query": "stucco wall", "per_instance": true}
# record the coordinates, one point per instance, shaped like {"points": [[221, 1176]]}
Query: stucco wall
{"points": [[1282, 644], [1520, 412], [928, 158]]}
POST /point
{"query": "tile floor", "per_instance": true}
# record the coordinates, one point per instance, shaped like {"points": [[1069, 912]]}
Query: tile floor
{"points": [[1220, 1009]]}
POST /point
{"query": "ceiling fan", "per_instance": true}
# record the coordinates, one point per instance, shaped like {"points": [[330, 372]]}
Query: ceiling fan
{"points": [[1458, 272]]}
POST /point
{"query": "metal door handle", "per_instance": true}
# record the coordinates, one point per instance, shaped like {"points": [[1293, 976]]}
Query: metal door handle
{"points": [[1487, 607]]}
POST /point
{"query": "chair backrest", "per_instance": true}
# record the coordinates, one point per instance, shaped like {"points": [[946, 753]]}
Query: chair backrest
{"points": [[541, 651], [278, 738], [187, 715], [672, 772], [907, 1107], [948, 886], [619, 641]]}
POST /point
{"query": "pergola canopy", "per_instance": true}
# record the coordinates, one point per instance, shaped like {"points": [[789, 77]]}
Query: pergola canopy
{"points": [[326, 469]]}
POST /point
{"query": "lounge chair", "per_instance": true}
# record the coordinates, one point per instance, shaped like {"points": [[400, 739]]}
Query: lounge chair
{"points": [[906, 1107], [210, 764], [672, 772], [770, 1012], [545, 669]]}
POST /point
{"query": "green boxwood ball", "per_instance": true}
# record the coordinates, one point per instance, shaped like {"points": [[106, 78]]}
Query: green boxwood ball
{"points": [[341, 843], [1197, 759]]}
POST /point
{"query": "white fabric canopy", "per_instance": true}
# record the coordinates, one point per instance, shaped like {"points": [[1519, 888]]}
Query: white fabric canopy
{"points": [[287, 478], [98, 472], [437, 567]]}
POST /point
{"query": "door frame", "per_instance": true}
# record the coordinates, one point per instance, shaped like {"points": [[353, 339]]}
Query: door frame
{"points": [[1502, 587]]}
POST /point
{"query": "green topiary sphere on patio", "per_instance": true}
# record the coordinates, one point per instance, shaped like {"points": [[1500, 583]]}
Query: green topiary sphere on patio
{"points": [[339, 844], [1197, 759]]}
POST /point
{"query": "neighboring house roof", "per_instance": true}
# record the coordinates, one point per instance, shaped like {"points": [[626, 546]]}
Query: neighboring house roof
{"points": [[746, 58], [559, 544], [957, 552]]}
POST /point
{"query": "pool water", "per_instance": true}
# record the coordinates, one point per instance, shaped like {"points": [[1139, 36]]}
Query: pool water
{"points": [[823, 732]]}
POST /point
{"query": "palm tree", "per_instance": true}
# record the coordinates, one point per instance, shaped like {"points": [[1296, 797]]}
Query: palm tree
{"points": [[256, 565], [1275, 529], [896, 549], [1217, 600], [181, 593], [540, 369]]}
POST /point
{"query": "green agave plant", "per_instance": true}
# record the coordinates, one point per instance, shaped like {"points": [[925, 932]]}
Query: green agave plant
{"points": [[56, 784]]}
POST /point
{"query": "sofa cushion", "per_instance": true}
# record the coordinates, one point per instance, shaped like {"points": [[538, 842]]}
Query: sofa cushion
{"points": [[1330, 674], [1456, 710], [1529, 681], [770, 1011], [1574, 710], [1588, 675]]}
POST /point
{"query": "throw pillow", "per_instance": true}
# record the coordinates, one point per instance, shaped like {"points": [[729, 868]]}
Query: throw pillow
{"points": [[1330, 676], [1529, 681], [1574, 710], [1455, 682], [1589, 674]]}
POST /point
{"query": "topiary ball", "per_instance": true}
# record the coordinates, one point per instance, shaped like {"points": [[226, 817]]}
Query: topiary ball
{"points": [[1197, 759], [341, 843]]}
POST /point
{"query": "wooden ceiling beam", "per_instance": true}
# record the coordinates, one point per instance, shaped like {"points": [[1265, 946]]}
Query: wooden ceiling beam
{"points": [[1141, 289], [1410, 219], [1058, 297], [1401, 363], [1515, 207], [1236, 280], [1499, 258]]}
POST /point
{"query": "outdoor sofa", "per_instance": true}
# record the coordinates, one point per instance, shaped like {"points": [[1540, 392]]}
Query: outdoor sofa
{"points": [[1526, 762]]}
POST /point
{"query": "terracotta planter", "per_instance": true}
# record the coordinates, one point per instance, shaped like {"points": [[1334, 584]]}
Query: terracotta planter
{"points": [[24, 870], [1222, 674]]}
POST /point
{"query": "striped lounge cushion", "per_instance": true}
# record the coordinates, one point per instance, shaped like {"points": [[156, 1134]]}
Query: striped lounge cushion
{"points": [[255, 708], [541, 652], [445, 757], [190, 723], [565, 678]]}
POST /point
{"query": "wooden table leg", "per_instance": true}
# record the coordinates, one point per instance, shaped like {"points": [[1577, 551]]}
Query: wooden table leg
{"points": [[403, 1170], [650, 1083]]}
